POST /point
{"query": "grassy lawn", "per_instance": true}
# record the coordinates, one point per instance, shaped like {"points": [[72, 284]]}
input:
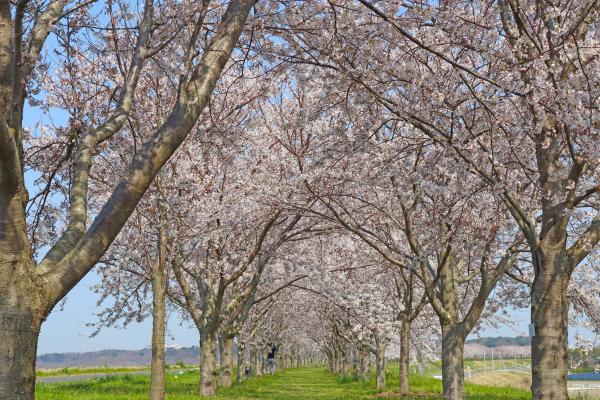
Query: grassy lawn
{"points": [[292, 384], [93, 370]]}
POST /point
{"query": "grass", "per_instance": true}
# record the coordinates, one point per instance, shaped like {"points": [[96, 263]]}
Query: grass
{"points": [[92, 370], [292, 384], [519, 379], [67, 371]]}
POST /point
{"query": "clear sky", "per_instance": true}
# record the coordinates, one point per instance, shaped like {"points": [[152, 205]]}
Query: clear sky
{"points": [[66, 330]]}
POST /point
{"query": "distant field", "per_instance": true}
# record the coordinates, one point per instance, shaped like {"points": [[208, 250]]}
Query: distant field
{"points": [[516, 379], [292, 384], [82, 371]]}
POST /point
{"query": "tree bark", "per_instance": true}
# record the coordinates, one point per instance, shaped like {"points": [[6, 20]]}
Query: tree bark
{"points": [[157, 369], [380, 365], [364, 365], [549, 314], [404, 356], [208, 366], [242, 363], [23, 299], [19, 331], [226, 347], [258, 361], [453, 344]]}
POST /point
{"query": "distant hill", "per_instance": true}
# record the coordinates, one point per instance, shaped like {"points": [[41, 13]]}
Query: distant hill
{"points": [[117, 358], [498, 341]]}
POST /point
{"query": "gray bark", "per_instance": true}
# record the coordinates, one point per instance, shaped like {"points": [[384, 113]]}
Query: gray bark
{"points": [[242, 363], [380, 365], [258, 361], [226, 347], [404, 357], [549, 314], [19, 331], [159, 291], [364, 367], [208, 363], [453, 376]]}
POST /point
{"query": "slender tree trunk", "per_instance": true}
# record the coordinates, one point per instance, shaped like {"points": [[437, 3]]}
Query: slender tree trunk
{"points": [[226, 347], [242, 363], [364, 364], [19, 331], [157, 369], [404, 356], [258, 362], [347, 361], [208, 367], [380, 366], [453, 376], [549, 314]]}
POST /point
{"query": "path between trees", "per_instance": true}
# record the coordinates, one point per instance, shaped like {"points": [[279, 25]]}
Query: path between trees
{"points": [[308, 384]]}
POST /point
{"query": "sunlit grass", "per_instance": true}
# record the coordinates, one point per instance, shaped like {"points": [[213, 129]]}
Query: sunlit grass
{"points": [[292, 384], [67, 371]]}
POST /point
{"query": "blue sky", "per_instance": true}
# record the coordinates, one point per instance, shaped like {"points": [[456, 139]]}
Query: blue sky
{"points": [[66, 330]]}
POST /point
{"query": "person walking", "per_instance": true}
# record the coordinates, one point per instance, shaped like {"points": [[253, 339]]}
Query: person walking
{"points": [[271, 358]]}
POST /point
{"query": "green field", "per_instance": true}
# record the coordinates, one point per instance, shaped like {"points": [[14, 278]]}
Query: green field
{"points": [[67, 371], [292, 384]]}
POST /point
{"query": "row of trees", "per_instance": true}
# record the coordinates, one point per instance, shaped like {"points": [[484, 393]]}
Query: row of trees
{"points": [[334, 177]]}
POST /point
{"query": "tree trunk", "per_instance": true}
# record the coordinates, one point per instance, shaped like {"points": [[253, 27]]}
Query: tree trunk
{"points": [[549, 314], [242, 363], [23, 302], [258, 362], [157, 369], [19, 331], [404, 356], [208, 367], [364, 365], [380, 366], [453, 375], [226, 347]]}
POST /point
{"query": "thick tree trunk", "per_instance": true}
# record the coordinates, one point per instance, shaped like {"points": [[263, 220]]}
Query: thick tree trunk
{"points": [[453, 376], [23, 305], [549, 314], [226, 347], [19, 331], [404, 356], [157, 369], [208, 366], [364, 368], [380, 366]]}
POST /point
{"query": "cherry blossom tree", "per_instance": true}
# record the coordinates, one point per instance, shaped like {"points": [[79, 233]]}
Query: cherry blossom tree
{"points": [[507, 87], [32, 289]]}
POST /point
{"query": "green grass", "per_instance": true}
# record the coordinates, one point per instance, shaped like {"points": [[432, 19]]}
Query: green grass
{"points": [[292, 384], [93, 370]]}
